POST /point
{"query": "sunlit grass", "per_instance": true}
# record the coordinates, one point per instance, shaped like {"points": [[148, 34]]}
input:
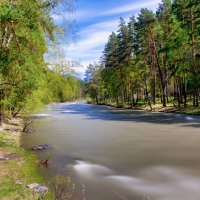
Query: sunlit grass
{"points": [[143, 105], [24, 167]]}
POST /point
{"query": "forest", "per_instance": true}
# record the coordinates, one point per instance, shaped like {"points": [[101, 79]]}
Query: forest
{"points": [[154, 59], [27, 80], [150, 62]]}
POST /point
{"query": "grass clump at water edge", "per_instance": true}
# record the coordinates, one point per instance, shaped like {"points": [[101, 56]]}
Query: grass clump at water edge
{"points": [[19, 169]]}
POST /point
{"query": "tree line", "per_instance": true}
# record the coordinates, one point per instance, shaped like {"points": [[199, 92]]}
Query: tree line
{"points": [[153, 58], [27, 82]]}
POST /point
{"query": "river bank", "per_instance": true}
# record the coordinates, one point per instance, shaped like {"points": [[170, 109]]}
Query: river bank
{"points": [[18, 167], [170, 108]]}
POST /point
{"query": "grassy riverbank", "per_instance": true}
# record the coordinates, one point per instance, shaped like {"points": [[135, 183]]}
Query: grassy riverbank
{"points": [[142, 105], [19, 170]]}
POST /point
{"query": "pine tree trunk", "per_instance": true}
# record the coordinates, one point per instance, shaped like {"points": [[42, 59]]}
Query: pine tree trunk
{"points": [[137, 98], [197, 99], [194, 97], [147, 93], [163, 85], [154, 89], [178, 95], [185, 95]]}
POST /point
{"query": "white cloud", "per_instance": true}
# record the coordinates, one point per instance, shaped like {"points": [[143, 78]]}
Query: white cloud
{"points": [[82, 15], [101, 26], [131, 7], [91, 43], [79, 16], [94, 37]]}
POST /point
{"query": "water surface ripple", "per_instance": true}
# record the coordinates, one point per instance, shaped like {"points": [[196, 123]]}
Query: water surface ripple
{"points": [[121, 154]]}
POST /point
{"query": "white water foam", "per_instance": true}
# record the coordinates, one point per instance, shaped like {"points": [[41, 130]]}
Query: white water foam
{"points": [[89, 170], [160, 183], [189, 118]]}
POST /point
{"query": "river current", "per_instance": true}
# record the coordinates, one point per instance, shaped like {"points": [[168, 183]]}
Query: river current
{"points": [[115, 154]]}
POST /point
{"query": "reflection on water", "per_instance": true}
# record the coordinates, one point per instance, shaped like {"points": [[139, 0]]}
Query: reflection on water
{"points": [[122, 154]]}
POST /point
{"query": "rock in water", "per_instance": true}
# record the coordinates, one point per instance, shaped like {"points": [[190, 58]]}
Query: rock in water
{"points": [[41, 147], [8, 157], [4, 158], [40, 189]]}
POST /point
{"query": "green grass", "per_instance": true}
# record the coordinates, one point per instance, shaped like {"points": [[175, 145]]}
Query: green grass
{"points": [[188, 110], [24, 167], [143, 105]]}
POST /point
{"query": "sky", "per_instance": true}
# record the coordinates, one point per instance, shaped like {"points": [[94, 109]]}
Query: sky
{"points": [[94, 22]]}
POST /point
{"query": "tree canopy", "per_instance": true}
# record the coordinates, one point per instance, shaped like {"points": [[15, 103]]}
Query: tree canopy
{"points": [[154, 58], [26, 81]]}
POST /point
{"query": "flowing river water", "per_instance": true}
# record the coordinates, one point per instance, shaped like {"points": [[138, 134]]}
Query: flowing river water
{"points": [[114, 154]]}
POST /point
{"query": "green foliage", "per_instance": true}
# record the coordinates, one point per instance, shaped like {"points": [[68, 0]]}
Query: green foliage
{"points": [[23, 168], [26, 27], [63, 89], [156, 57], [94, 83], [27, 83]]}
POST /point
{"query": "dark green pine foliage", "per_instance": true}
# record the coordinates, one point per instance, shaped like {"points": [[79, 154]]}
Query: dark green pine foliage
{"points": [[124, 57], [111, 74], [154, 58], [188, 12], [147, 52]]}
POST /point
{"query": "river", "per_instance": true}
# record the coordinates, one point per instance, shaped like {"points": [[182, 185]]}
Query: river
{"points": [[116, 154]]}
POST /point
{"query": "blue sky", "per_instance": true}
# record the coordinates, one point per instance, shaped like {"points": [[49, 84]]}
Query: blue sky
{"points": [[95, 20]]}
